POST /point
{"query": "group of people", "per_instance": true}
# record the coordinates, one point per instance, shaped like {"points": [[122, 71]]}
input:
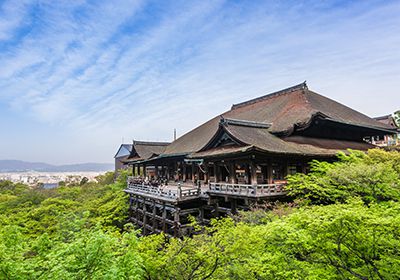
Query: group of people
{"points": [[150, 181]]}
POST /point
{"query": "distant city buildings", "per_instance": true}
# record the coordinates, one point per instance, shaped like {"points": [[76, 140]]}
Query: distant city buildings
{"points": [[48, 179]]}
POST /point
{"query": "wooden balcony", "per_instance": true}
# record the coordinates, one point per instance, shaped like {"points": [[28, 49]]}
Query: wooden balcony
{"points": [[170, 193], [244, 190], [178, 192]]}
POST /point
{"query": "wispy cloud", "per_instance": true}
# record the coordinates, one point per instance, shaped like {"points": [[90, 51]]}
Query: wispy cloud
{"points": [[97, 71]]}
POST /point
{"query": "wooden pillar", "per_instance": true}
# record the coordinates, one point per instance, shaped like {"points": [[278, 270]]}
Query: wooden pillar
{"points": [[304, 167], [156, 171], [201, 214], [176, 222], [176, 171], [130, 206], [198, 172], [154, 226], [144, 170], [269, 173], [232, 172], [216, 173], [206, 172], [233, 206], [183, 171], [164, 218], [285, 168], [193, 172], [137, 210], [144, 217], [248, 174], [253, 171]]}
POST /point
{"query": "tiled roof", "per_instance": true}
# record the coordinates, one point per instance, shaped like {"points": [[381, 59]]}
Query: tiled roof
{"points": [[283, 110], [388, 120], [127, 147], [260, 139], [144, 150]]}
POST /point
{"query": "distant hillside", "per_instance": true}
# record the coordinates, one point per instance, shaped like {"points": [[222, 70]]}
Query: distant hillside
{"points": [[19, 165]]}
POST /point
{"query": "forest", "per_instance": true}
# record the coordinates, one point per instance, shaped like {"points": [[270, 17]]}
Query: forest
{"points": [[342, 222]]}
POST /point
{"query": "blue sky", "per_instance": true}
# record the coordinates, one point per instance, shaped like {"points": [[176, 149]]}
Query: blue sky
{"points": [[77, 77]]}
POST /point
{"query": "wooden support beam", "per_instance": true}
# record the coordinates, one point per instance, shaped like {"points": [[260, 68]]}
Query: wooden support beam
{"points": [[176, 223], [168, 172], [232, 172], [193, 172], [201, 214], [183, 171], [197, 173], [137, 208], [253, 170], [216, 173], [285, 168], [164, 217], [144, 170], [156, 171], [304, 167], [206, 174], [154, 226], [144, 219], [270, 175], [233, 206], [248, 173]]}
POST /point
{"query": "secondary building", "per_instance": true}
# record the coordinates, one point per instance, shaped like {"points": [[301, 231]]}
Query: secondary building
{"points": [[387, 140]]}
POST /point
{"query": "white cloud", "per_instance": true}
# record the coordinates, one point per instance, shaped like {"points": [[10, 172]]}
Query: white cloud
{"points": [[79, 72]]}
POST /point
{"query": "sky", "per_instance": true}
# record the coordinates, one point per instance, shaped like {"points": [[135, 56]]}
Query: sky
{"points": [[79, 77]]}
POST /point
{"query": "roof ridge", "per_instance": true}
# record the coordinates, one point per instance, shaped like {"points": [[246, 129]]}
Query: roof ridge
{"points": [[382, 117], [246, 123], [301, 86], [150, 143]]}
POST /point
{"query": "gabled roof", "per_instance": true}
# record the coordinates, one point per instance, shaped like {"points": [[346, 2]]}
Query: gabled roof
{"points": [[124, 149], [142, 150], [283, 110], [388, 120], [258, 138]]}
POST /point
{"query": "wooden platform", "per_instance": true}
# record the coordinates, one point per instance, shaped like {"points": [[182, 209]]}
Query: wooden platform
{"points": [[247, 191], [168, 208]]}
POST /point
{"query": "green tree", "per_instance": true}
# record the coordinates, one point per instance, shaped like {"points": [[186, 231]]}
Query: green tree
{"points": [[373, 176], [396, 116]]}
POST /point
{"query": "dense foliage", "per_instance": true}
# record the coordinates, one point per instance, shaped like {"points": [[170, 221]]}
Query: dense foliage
{"points": [[397, 117], [344, 224], [374, 177]]}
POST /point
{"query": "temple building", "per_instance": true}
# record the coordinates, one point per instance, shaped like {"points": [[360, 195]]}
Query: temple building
{"points": [[387, 140], [144, 151], [243, 156], [122, 154]]}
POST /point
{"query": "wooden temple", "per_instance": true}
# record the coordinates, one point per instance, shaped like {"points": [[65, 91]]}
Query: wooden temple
{"points": [[242, 157]]}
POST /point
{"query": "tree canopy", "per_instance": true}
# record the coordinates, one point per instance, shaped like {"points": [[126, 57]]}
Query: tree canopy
{"points": [[343, 223]]}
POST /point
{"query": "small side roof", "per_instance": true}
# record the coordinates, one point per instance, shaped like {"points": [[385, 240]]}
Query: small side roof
{"points": [[123, 150], [142, 150], [388, 120]]}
